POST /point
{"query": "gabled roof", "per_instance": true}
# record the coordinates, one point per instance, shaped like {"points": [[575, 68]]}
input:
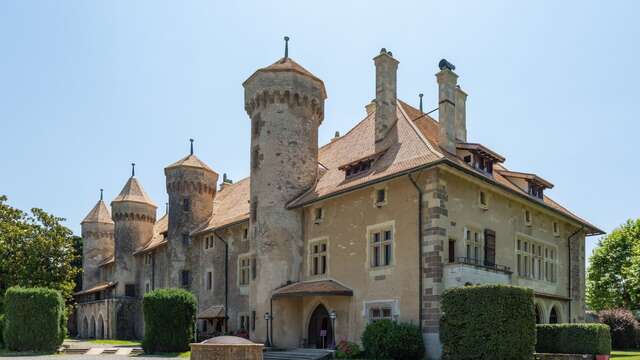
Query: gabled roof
{"points": [[133, 192], [190, 161], [313, 288], [99, 214], [527, 176]]}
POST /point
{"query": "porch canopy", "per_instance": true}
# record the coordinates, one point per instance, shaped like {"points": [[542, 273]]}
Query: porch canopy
{"points": [[312, 288], [213, 312]]}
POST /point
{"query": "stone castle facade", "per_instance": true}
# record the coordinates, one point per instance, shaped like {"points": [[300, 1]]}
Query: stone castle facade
{"points": [[376, 224]]}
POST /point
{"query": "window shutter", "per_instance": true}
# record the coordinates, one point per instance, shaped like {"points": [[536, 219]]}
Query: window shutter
{"points": [[489, 247]]}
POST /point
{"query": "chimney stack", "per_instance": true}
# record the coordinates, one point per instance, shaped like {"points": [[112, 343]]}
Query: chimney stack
{"points": [[386, 88], [447, 81], [461, 115]]}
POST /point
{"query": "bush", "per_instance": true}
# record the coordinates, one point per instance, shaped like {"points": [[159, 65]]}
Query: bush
{"points": [[623, 326], [169, 320], [591, 339], [34, 319], [1, 330], [386, 339], [348, 350], [488, 322]]}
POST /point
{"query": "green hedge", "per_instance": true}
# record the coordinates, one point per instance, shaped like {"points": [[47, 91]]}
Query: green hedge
{"points": [[574, 339], [1, 330], [488, 322], [169, 320], [386, 339], [34, 319]]}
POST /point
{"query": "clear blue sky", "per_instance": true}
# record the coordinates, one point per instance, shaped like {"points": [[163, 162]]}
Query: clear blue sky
{"points": [[87, 87]]}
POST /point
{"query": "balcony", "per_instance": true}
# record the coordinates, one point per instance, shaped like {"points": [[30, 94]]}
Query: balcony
{"points": [[469, 271]]}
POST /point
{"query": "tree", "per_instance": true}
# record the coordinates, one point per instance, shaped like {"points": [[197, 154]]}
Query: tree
{"points": [[613, 280], [36, 250]]}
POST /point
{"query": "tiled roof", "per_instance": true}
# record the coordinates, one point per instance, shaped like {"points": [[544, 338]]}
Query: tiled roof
{"points": [[212, 312], [133, 191], [313, 288], [160, 229], [287, 64], [99, 214], [108, 260], [230, 206], [96, 288], [527, 176], [190, 161]]}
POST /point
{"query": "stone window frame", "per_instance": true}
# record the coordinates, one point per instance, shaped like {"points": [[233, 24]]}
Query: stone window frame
{"points": [[318, 214], [527, 217], [483, 199], [209, 242], [311, 255], [380, 227], [375, 194], [369, 306], [536, 259], [473, 237], [209, 272], [555, 228], [242, 266], [245, 233], [247, 322]]}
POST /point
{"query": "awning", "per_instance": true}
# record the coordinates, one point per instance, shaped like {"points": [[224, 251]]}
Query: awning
{"points": [[96, 288], [313, 288], [213, 312]]}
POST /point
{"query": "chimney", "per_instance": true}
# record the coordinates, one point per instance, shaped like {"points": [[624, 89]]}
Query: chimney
{"points": [[447, 81], [386, 71], [461, 115]]}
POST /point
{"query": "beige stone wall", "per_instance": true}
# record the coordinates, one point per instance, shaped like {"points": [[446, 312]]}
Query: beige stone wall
{"points": [[98, 244]]}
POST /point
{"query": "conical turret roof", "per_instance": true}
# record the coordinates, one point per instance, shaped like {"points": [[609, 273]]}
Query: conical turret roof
{"points": [[286, 64], [133, 192], [99, 214], [190, 161]]}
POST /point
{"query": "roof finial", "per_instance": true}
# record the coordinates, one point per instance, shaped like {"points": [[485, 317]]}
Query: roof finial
{"points": [[421, 95], [133, 169], [101, 190], [191, 146], [286, 47]]}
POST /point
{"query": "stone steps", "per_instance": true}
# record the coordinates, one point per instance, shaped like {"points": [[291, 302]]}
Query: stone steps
{"points": [[299, 354]]}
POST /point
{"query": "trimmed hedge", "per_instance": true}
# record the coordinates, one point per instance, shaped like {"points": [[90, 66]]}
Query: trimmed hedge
{"points": [[623, 327], [169, 320], [488, 322], [386, 339], [34, 319], [593, 339], [1, 330]]}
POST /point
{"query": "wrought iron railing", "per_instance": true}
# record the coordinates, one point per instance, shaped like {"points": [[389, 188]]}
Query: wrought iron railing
{"points": [[482, 263]]}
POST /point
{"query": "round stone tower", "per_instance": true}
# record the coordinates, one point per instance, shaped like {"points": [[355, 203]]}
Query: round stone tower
{"points": [[191, 186], [134, 215], [97, 242], [286, 105]]}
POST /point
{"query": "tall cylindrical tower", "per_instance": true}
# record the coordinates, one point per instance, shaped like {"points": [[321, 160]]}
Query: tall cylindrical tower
{"points": [[191, 186], [97, 242], [134, 214], [286, 105]]}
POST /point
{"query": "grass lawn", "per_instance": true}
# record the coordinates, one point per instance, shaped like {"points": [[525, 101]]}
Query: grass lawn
{"points": [[116, 342], [625, 355]]}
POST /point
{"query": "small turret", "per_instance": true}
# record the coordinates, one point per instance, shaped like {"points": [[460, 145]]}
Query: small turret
{"points": [[97, 242], [134, 214]]}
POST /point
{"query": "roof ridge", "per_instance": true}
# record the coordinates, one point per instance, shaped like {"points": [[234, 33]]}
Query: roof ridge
{"points": [[417, 131]]}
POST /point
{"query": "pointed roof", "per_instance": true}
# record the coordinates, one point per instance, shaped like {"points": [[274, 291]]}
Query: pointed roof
{"points": [[99, 214], [286, 64], [190, 161], [133, 192]]}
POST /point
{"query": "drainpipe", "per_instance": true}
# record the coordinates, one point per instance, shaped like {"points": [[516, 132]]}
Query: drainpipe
{"points": [[420, 285], [153, 271], [569, 256], [226, 281]]}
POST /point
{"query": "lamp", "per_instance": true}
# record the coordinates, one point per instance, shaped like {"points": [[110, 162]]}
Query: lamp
{"points": [[267, 317], [333, 316]]}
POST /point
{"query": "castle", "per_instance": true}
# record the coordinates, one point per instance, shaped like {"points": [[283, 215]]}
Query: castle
{"points": [[320, 241]]}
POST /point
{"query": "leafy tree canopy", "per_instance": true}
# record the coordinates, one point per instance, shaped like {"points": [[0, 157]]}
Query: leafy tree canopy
{"points": [[36, 250], [613, 278]]}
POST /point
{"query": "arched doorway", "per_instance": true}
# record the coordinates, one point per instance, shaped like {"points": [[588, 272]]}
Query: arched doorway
{"points": [[553, 316], [92, 329], [100, 328], [538, 315], [84, 332], [320, 330]]}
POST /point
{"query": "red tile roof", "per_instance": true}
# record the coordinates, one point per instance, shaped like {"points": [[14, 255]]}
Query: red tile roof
{"points": [[96, 288], [158, 239], [313, 288]]}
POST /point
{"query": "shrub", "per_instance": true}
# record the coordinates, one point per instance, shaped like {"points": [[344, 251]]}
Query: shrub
{"points": [[169, 320], [591, 339], [488, 322], [34, 319], [386, 339], [1, 330], [623, 326], [348, 350]]}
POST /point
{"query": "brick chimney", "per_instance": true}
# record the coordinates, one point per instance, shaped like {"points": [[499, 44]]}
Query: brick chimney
{"points": [[447, 89], [386, 87]]}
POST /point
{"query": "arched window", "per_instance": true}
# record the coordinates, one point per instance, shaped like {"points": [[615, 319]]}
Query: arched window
{"points": [[85, 328], [553, 316]]}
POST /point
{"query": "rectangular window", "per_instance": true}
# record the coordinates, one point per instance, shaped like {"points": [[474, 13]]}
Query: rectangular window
{"points": [[318, 215], [489, 247], [474, 246], [556, 229], [380, 312], [318, 256], [535, 261], [245, 234], [253, 320], [244, 266], [452, 250], [185, 279], [483, 200], [381, 196], [130, 290], [186, 204], [147, 288], [381, 248], [209, 280], [254, 271], [527, 218], [243, 322]]}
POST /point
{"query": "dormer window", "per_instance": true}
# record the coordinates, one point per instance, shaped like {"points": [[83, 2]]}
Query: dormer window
{"points": [[360, 166], [536, 190], [531, 183], [479, 157]]}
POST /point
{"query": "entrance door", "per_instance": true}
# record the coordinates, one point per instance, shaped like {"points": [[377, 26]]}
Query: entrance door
{"points": [[320, 330]]}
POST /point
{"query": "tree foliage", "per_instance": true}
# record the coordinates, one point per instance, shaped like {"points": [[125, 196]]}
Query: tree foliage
{"points": [[36, 250], [613, 278]]}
